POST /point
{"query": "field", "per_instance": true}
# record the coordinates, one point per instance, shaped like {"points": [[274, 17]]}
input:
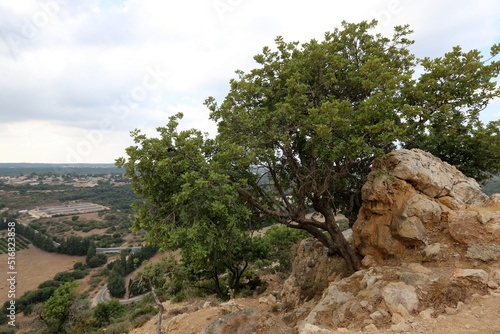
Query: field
{"points": [[35, 266]]}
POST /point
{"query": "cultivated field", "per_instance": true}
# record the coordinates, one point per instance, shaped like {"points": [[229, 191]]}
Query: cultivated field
{"points": [[34, 266]]}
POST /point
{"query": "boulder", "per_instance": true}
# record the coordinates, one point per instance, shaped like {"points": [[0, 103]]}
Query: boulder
{"points": [[399, 294], [483, 252], [469, 276], [312, 271], [410, 193], [468, 226], [240, 322]]}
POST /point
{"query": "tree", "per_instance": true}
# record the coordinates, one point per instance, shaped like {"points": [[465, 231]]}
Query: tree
{"points": [[105, 312], [442, 115], [188, 202], [116, 284], [91, 252], [55, 311], [304, 128], [298, 135]]}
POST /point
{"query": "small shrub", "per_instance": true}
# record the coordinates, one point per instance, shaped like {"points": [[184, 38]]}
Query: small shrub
{"points": [[141, 320], [145, 310], [119, 328]]}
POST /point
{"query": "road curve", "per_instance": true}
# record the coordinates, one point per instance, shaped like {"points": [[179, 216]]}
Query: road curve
{"points": [[102, 297]]}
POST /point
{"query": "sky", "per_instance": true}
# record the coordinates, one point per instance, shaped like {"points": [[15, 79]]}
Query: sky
{"points": [[76, 76]]}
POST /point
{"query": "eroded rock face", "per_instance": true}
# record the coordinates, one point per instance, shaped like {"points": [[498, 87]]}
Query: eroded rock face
{"points": [[411, 192], [312, 271], [239, 322]]}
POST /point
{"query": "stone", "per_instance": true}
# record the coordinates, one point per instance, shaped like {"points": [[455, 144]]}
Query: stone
{"points": [[495, 275], [450, 310], [240, 322], [467, 226], [468, 276], [426, 314], [397, 318], [312, 271], [401, 327], [230, 306], [398, 293], [419, 269], [403, 312], [407, 194], [433, 177], [313, 329], [493, 201], [369, 261], [371, 328], [431, 251], [377, 316], [483, 252]]}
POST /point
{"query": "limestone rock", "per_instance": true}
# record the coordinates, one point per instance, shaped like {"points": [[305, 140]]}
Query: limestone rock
{"points": [[419, 269], [495, 275], [396, 294], [426, 314], [312, 329], [409, 193], [433, 177], [431, 251], [371, 328], [483, 252], [312, 271], [240, 322], [492, 201], [468, 276], [377, 316], [470, 226], [368, 261]]}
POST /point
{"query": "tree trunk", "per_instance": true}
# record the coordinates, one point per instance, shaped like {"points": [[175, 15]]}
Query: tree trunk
{"points": [[160, 311], [339, 245]]}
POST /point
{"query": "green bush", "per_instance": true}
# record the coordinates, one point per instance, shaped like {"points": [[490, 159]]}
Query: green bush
{"points": [[104, 313], [278, 242], [97, 260], [49, 283]]}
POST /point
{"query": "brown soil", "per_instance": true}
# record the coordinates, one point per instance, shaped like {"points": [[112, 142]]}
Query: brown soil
{"points": [[480, 315], [34, 266]]}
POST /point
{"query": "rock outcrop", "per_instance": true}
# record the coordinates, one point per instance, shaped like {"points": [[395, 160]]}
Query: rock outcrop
{"points": [[410, 195], [312, 271]]}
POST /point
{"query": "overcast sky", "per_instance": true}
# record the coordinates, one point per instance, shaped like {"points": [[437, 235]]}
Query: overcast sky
{"points": [[76, 76]]}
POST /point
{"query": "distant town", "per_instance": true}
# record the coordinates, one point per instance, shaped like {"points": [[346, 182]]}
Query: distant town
{"points": [[34, 179]]}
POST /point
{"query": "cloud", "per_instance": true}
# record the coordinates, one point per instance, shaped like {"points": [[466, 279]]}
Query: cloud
{"points": [[70, 66]]}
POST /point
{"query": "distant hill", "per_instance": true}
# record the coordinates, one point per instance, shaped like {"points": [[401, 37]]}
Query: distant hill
{"points": [[8, 169]]}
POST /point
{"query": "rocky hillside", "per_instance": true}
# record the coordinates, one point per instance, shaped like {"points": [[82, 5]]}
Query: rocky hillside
{"points": [[430, 243]]}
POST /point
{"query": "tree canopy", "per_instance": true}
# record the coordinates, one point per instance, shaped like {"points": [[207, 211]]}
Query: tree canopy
{"points": [[299, 133]]}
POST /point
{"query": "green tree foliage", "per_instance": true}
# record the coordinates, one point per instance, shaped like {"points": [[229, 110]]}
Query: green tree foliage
{"points": [[304, 128], [105, 312], [97, 260], [55, 311], [188, 202], [278, 242], [443, 107], [299, 134], [116, 284], [168, 277]]}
